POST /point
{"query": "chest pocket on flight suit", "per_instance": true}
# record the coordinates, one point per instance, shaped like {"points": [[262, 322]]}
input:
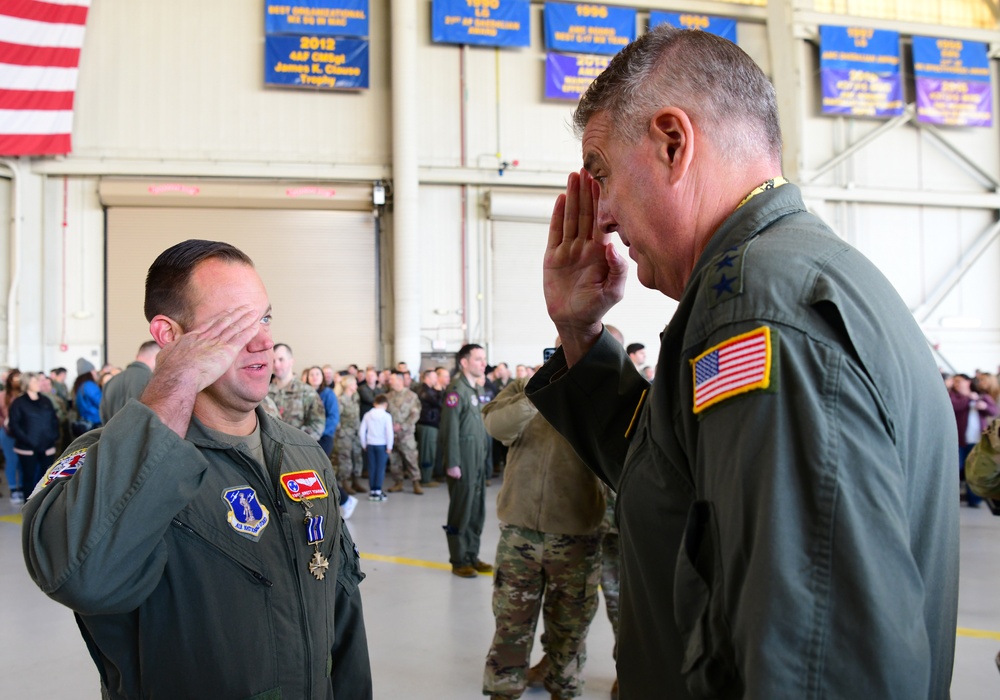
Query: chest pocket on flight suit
{"points": [[708, 665], [349, 574]]}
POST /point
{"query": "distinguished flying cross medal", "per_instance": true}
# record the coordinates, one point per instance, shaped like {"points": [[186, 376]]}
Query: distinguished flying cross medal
{"points": [[302, 487]]}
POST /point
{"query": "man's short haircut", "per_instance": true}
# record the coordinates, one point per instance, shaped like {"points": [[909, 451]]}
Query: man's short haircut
{"points": [[58, 370], [634, 347], [722, 89], [464, 352], [380, 400], [148, 346], [286, 346], [169, 275]]}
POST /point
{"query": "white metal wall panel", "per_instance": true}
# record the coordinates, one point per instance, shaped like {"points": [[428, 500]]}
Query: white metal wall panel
{"points": [[185, 80], [318, 267], [441, 266], [915, 245], [521, 325]]}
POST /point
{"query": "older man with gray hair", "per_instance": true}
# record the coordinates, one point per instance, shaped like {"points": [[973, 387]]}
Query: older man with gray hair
{"points": [[788, 528]]}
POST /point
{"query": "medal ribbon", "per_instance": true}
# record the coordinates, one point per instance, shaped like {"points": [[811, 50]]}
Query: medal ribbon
{"points": [[314, 529]]}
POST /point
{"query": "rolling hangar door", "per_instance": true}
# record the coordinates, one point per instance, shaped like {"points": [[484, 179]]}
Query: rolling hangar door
{"points": [[314, 248], [520, 325]]}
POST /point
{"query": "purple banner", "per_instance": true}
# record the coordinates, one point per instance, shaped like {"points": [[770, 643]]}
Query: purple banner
{"points": [[568, 76], [954, 102], [859, 93]]}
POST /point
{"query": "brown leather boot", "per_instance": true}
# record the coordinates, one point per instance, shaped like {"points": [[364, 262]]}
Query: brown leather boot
{"points": [[395, 488], [417, 489], [535, 677], [345, 486], [464, 571], [359, 485]]}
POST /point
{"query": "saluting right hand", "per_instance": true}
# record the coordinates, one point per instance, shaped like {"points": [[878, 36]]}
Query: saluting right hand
{"points": [[197, 358], [193, 360], [582, 274]]}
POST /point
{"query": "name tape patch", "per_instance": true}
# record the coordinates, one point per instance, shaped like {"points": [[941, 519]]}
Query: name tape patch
{"points": [[303, 485], [734, 366]]}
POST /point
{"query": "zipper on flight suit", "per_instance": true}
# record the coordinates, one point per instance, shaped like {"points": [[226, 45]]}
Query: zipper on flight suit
{"points": [[256, 574], [275, 472]]}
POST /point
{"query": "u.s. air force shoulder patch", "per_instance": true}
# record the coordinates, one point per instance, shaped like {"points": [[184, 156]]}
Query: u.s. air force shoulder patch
{"points": [[735, 366], [247, 515]]}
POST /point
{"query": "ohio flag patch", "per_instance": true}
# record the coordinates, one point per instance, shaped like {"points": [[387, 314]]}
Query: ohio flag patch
{"points": [[735, 366]]}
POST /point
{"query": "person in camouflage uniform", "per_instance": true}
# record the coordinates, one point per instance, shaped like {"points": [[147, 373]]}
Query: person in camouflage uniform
{"points": [[298, 403], [610, 571], [551, 507], [404, 407], [346, 454]]}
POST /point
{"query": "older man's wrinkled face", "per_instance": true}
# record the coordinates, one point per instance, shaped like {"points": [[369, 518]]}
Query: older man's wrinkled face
{"points": [[636, 201]]}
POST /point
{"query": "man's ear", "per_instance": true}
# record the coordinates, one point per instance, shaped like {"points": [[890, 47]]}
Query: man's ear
{"points": [[671, 129], [164, 329]]}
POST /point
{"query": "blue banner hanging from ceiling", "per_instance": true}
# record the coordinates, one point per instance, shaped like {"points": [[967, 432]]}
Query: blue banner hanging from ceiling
{"points": [[720, 26], [952, 81], [586, 28], [316, 62], [317, 17], [859, 71], [567, 77], [481, 22]]}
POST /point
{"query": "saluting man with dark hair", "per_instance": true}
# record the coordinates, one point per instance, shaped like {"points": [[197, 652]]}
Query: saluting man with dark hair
{"points": [[197, 539]]}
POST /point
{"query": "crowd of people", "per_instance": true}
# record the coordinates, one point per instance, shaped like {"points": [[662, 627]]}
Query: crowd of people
{"points": [[796, 410]]}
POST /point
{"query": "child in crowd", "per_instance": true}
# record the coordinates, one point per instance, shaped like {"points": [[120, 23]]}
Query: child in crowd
{"points": [[376, 439]]}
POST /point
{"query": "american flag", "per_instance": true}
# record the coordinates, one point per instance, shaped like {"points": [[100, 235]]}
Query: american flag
{"points": [[40, 46], [733, 367]]}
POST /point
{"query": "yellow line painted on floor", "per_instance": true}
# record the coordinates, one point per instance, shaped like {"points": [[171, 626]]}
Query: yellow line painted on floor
{"points": [[978, 634], [406, 561], [409, 562]]}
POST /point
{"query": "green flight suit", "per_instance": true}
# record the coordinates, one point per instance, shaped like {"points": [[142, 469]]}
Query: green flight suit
{"points": [[188, 568], [798, 536], [463, 441]]}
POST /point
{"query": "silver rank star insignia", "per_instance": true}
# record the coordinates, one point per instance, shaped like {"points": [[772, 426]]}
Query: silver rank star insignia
{"points": [[318, 565]]}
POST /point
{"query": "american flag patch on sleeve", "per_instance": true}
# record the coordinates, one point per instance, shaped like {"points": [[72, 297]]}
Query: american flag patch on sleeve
{"points": [[735, 366]]}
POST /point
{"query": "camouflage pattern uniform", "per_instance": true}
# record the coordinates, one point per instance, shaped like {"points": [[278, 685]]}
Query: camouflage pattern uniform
{"points": [[404, 407], [551, 508], [270, 408], [611, 564], [567, 569], [346, 443], [300, 406]]}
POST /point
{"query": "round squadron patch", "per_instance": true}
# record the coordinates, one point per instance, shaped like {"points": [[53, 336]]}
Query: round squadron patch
{"points": [[451, 400]]}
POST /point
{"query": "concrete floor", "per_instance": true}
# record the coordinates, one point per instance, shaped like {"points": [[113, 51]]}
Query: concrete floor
{"points": [[428, 630]]}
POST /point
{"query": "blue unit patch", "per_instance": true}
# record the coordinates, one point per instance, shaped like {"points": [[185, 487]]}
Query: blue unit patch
{"points": [[247, 515]]}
